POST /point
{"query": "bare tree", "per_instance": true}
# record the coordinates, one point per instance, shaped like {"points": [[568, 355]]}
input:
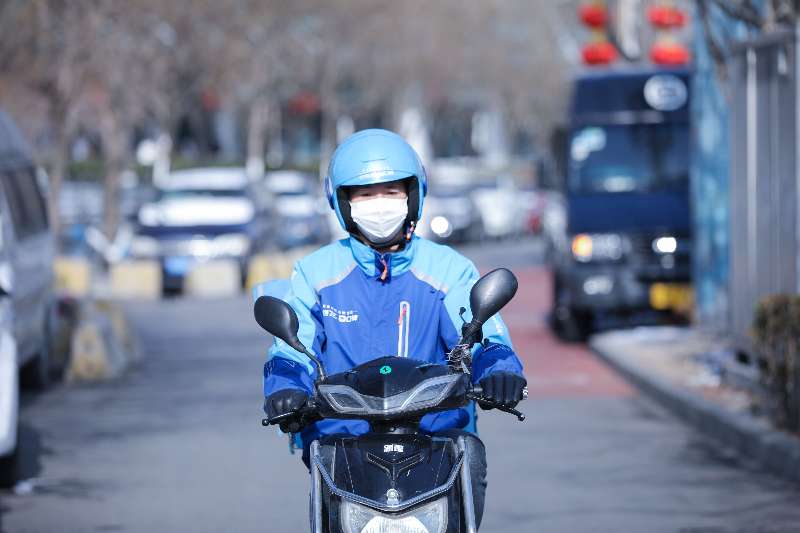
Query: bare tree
{"points": [[757, 17], [111, 66], [46, 47]]}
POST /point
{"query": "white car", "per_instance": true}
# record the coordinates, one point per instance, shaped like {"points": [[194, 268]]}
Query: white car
{"points": [[9, 396], [27, 310], [202, 214], [499, 208], [301, 212]]}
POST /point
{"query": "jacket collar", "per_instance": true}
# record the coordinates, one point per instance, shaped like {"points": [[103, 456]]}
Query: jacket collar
{"points": [[368, 259]]}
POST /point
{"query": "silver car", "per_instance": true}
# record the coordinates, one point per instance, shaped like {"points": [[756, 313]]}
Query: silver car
{"points": [[26, 284]]}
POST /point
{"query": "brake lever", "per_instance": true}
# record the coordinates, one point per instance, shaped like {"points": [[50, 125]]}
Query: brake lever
{"points": [[304, 416], [278, 419], [491, 403]]}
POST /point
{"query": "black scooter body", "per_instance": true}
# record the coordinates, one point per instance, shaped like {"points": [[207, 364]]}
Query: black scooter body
{"points": [[394, 475], [394, 455], [387, 376], [369, 466]]}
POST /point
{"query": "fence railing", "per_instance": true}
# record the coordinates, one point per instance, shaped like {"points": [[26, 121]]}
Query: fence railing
{"points": [[764, 188]]}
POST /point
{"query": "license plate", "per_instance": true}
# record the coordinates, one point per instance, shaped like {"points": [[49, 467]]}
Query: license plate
{"points": [[177, 265], [671, 297]]}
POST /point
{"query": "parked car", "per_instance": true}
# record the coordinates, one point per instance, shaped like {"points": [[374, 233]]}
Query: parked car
{"points": [[554, 226], [200, 215], [300, 209], [531, 204], [27, 307], [9, 394], [80, 207], [450, 216], [499, 222]]}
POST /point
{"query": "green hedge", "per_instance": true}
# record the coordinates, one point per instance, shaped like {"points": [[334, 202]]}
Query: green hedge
{"points": [[776, 331], [94, 169]]}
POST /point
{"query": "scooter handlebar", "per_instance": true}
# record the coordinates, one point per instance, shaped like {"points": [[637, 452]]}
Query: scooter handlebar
{"points": [[299, 418], [477, 389], [477, 395], [308, 413]]}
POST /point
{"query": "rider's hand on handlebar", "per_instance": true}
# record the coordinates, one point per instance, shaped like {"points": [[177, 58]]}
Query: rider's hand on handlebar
{"points": [[504, 388], [284, 402]]}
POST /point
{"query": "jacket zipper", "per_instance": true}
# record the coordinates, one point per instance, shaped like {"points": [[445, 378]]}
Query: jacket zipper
{"points": [[403, 322]]}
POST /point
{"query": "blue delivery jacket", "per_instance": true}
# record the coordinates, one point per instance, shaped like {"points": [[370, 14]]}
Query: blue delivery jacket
{"points": [[355, 304]]}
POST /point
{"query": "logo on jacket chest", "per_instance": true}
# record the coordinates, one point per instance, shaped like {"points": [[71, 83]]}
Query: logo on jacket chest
{"points": [[339, 315]]}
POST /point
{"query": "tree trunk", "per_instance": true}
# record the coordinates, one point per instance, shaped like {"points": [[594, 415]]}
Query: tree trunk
{"points": [[114, 151], [63, 121], [58, 170], [329, 113], [275, 136], [255, 137]]}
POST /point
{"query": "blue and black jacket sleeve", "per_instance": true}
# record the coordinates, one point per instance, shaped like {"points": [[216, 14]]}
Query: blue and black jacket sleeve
{"points": [[497, 352], [286, 368]]}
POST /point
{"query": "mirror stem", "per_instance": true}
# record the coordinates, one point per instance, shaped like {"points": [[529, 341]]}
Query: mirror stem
{"points": [[317, 362], [471, 333]]}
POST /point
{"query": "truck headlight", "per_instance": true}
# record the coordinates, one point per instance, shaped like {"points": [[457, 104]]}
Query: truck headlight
{"points": [[665, 245], [441, 226], [235, 244], [142, 246], [430, 518], [597, 246]]}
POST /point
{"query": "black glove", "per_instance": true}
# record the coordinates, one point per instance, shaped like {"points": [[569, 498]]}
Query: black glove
{"points": [[283, 402], [505, 388]]}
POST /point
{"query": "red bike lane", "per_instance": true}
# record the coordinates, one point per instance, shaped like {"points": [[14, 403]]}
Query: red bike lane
{"points": [[553, 368]]}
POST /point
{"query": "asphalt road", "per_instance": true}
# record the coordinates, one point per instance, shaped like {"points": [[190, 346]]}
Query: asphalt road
{"points": [[176, 445]]}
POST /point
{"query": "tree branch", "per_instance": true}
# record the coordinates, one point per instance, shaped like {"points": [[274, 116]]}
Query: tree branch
{"points": [[744, 11]]}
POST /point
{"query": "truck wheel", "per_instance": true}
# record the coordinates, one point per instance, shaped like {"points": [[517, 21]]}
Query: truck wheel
{"points": [[571, 325], [9, 469], [38, 374], [568, 323], [61, 323]]}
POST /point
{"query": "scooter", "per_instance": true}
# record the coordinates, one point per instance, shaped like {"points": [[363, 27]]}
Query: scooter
{"points": [[393, 478]]}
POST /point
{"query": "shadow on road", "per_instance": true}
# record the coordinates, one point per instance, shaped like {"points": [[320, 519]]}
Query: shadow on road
{"points": [[30, 465], [30, 442]]}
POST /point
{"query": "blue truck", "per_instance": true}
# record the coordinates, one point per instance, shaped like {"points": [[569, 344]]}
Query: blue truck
{"points": [[626, 252]]}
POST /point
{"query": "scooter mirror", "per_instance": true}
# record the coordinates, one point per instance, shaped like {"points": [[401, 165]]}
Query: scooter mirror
{"points": [[278, 318], [491, 293]]}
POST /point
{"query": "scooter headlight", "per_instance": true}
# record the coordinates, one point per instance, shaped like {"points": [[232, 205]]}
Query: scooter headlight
{"points": [[430, 518]]}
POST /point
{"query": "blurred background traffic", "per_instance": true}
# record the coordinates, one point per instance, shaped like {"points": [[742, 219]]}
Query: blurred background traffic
{"points": [[637, 157]]}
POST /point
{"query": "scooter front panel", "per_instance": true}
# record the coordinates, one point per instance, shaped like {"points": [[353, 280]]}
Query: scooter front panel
{"points": [[390, 471]]}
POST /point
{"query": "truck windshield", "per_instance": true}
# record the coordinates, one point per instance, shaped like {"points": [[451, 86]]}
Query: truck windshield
{"points": [[629, 158]]}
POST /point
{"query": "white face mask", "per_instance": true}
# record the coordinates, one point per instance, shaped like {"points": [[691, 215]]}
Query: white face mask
{"points": [[379, 219]]}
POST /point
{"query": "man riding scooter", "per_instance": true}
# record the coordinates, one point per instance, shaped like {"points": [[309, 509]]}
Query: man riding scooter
{"points": [[385, 290]]}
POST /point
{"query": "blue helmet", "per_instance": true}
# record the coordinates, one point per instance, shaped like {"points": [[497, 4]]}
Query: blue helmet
{"points": [[374, 156]]}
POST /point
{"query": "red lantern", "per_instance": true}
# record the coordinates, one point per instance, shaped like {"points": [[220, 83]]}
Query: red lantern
{"points": [[599, 53], [665, 17], [304, 103], [594, 15], [669, 53]]}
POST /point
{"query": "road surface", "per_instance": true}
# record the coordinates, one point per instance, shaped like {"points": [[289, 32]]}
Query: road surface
{"points": [[176, 445]]}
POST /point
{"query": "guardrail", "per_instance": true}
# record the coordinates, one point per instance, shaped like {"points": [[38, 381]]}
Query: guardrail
{"points": [[100, 344], [143, 279]]}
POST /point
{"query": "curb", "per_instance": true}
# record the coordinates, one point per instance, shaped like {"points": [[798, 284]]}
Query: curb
{"points": [[770, 449], [136, 280], [220, 278], [102, 345]]}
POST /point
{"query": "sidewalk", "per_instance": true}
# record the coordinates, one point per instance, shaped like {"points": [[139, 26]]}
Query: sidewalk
{"points": [[677, 368]]}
